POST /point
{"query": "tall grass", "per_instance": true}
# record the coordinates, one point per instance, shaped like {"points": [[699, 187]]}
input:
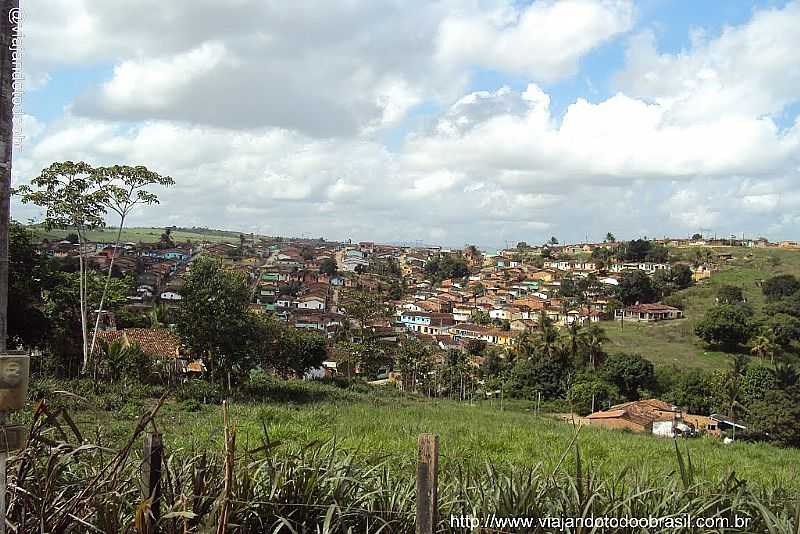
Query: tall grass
{"points": [[63, 482]]}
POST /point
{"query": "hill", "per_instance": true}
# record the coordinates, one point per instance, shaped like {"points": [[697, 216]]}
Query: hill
{"points": [[143, 234], [674, 342]]}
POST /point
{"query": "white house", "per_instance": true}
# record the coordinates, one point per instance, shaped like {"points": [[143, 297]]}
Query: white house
{"points": [[311, 302], [170, 295]]}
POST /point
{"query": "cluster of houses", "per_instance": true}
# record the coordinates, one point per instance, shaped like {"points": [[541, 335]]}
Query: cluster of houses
{"points": [[501, 297]]}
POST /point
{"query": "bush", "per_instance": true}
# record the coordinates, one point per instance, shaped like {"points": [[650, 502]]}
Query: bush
{"points": [[630, 373], [726, 324], [200, 391]]}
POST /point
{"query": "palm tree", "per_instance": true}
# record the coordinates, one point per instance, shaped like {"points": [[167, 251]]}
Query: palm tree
{"points": [[764, 346], [732, 387], [158, 316], [574, 334], [786, 375], [547, 335], [592, 340]]}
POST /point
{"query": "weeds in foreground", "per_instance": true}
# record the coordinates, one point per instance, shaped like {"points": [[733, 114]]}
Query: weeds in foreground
{"points": [[61, 482]]}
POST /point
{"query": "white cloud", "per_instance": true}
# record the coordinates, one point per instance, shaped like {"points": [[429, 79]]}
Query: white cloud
{"points": [[273, 117], [544, 39], [748, 70]]}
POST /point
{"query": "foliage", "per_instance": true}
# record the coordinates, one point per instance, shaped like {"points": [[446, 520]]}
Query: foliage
{"points": [[213, 320], [696, 390], [629, 373], [642, 250], [635, 286], [784, 329], [789, 305], [27, 276], [726, 324], [728, 294], [447, 266], [328, 266], [63, 310], [777, 416], [780, 286], [757, 381], [583, 395]]}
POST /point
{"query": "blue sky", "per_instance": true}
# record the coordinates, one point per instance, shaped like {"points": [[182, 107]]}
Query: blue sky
{"points": [[457, 122]]}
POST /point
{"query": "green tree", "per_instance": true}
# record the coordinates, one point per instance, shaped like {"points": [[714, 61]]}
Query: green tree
{"points": [[694, 389], [597, 394], [784, 328], [73, 195], [610, 238], [630, 373], [414, 360], [63, 309], [778, 287], [328, 266], [726, 324], [592, 345], [756, 382], [763, 346], [777, 416], [213, 320], [127, 187], [297, 350], [27, 276], [727, 294], [789, 305], [681, 275], [635, 286]]}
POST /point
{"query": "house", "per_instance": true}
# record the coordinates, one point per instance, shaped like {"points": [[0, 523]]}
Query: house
{"points": [[170, 296], [648, 313], [160, 344], [427, 322], [484, 333], [637, 416], [311, 302]]}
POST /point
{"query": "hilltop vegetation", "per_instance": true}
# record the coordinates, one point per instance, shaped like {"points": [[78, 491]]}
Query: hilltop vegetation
{"points": [[674, 343], [140, 234]]}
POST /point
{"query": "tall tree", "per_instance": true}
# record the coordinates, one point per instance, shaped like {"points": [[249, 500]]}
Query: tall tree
{"points": [[127, 188], [75, 196], [213, 320]]}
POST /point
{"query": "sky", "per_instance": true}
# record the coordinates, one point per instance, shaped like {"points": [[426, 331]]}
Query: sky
{"points": [[485, 122]]}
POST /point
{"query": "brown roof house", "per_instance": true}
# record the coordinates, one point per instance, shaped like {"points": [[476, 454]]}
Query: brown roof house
{"points": [[638, 416], [160, 344]]}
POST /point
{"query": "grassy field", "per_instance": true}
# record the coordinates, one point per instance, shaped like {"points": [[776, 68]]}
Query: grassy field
{"points": [[386, 424], [144, 234], [674, 342]]}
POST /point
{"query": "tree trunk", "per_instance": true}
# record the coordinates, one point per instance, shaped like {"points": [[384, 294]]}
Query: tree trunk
{"points": [[82, 282], [7, 76], [105, 288]]}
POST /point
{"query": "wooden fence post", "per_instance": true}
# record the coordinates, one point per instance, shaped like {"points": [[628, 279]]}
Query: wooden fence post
{"points": [[427, 484], [151, 476]]}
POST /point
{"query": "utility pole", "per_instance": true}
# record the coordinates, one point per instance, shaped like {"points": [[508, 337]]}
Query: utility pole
{"points": [[10, 75], [9, 56]]}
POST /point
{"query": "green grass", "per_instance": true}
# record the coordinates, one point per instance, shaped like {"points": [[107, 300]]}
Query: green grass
{"points": [[143, 234], [386, 423], [673, 342]]}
